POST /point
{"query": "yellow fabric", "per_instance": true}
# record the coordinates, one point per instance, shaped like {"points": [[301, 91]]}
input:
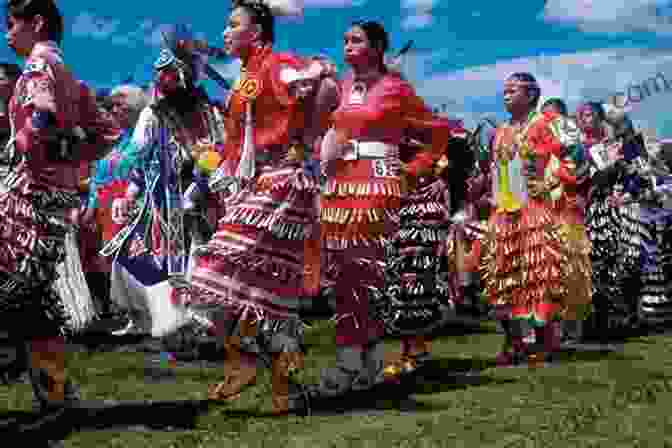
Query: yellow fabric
{"points": [[506, 201]]}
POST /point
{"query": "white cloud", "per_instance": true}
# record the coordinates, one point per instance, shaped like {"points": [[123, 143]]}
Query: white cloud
{"points": [[611, 16], [147, 32], [418, 4], [574, 77], [418, 13], [417, 21], [333, 3]]}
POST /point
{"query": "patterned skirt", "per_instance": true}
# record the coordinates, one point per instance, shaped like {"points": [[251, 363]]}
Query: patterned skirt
{"points": [[417, 284], [359, 215], [617, 235], [253, 266], [656, 295], [537, 263], [33, 228]]}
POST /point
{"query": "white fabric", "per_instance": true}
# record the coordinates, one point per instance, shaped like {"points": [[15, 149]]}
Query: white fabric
{"points": [[598, 153], [289, 75], [72, 288], [373, 150], [285, 7], [329, 149], [151, 307], [246, 168]]}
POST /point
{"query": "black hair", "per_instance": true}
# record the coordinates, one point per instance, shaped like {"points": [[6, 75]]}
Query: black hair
{"points": [[28, 9], [12, 71], [558, 104], [378, 38], [597, 109], [533, 91], [261, 15], [462, 162]]}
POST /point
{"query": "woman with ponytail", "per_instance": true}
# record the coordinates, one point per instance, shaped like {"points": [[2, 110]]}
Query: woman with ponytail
{"points": [[253, 271], [365, 180]]}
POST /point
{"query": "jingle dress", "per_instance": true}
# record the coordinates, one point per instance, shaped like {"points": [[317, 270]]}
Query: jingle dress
{"points": [[360, 202], [536, 258], [81, 258], [655, 305], [646, 180], [617, 234], [40, 192], [151, 253], [252, 269]]}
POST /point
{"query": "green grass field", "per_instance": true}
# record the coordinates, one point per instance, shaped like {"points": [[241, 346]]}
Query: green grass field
{"points": [[612, 400]]}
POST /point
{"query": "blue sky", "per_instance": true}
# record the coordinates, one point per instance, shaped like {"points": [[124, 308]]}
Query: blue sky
{"points": [[463, 49]]}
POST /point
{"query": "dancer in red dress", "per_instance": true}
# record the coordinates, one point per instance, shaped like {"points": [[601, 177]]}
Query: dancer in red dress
{"points": [[55, 126], [360, 204], [252, 271]]}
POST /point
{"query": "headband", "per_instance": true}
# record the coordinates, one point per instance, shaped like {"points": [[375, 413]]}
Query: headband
{"points": [[272, 7], [513, 82]]}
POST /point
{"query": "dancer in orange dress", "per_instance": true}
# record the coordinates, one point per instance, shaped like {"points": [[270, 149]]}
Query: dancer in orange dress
{"points": [[535, 257]]}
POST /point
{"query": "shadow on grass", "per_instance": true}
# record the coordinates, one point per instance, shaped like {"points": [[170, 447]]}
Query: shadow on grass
{"points": [[460, 326], [435, 376], [594, 355], [59, 424]]}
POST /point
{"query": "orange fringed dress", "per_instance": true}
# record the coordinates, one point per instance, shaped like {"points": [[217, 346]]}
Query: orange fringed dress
{"points": [[535, 257], [360, 202]]}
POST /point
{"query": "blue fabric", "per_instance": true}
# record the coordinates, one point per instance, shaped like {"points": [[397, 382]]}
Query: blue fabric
{"points": [[108, 169], [42, 119], [311, 168]]}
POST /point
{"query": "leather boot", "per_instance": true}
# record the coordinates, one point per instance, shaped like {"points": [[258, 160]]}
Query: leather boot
{"points": [[47, 360], [240, 371], [285, 364], [395, 362]]}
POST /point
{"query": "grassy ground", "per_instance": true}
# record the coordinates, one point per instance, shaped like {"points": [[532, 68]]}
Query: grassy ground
{"points": [[588, 400]]}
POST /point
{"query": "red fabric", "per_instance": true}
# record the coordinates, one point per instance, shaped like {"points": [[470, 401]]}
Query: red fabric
{"points": [[390, 110], [74, 105], [278, 116], [54, 345], [106, 195]]}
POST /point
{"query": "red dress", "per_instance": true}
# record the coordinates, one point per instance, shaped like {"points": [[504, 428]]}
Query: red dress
{"points": [[41, 193], [360, 204], [254, 264]]}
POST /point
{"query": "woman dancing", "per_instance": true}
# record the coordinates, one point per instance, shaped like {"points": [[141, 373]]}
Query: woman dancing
{"points": [[536, 255], [360, 203], [55, 125], [418, 282], [614, 226], [252, 270]]}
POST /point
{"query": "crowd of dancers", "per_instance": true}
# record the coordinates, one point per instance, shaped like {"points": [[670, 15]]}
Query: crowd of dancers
{"points": [[308, 185]]}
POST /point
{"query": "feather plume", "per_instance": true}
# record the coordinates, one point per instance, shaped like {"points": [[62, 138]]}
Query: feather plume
{"points": [[285, 7]]}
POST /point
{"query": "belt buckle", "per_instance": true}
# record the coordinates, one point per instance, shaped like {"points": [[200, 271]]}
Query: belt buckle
{"points": [[352, 154]]}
